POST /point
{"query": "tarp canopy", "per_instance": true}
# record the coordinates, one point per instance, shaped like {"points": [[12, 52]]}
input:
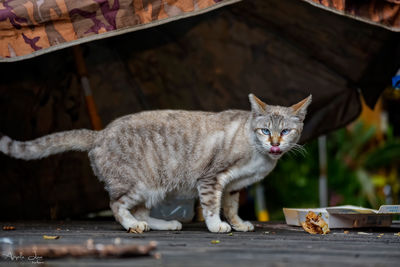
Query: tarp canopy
{"points": [[31, 27], [280, 50]]}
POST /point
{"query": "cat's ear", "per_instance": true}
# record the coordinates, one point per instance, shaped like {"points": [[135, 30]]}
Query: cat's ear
{"points": [[300, 109], [257, 106]]}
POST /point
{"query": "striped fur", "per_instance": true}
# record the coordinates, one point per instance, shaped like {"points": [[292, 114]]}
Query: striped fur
{"points": [[145, 157]]}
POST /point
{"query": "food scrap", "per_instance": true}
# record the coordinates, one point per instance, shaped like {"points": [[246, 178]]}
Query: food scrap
{"points": [[314, 224], [398, 234], [51, 237], [8, 228], [346, 232], [230, 234], [215, 241]]}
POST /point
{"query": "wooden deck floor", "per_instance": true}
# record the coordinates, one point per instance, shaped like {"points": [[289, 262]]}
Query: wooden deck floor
{"points": [[272, 244]]}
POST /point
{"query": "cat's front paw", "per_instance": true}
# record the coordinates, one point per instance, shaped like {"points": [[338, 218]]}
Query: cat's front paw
{"points": [[174, 225], [244, 227], [139, 227], [219, 227]]}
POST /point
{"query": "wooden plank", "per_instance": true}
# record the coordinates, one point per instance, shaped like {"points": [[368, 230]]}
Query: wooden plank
{"points": [[271, 244]]}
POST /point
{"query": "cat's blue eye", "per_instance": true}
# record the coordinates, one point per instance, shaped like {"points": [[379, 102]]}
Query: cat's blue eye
{"points": [[285, 131], [265, 131]]}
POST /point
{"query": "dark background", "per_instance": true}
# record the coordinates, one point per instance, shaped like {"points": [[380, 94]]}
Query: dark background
{"points": [[279, 50]]}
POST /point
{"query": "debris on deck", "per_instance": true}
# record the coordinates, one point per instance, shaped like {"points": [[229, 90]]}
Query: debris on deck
{"points": [[8, 228], [88, 250]]}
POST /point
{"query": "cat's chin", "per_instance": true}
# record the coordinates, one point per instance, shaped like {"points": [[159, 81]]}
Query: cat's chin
{"points": [[275, 156]]}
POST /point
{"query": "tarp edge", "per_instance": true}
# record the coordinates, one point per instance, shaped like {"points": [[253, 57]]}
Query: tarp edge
{"points": [[393, 29], [116, 32]]}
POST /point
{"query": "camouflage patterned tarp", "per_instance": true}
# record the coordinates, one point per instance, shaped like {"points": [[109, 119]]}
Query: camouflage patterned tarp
{"points": [[384, 13], [33, 27]]}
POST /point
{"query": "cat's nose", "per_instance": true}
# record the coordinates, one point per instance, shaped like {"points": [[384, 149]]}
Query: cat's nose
{"points": [[275, 144]]}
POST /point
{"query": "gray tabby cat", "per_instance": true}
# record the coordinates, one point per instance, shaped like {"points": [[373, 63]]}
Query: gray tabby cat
{"points": [[145, 157]]}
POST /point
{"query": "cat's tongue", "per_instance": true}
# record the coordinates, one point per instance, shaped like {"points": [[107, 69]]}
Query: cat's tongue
{"points": [[275, 150]]}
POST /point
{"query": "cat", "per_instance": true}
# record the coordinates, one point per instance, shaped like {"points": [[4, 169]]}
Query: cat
{"points": [[143, 158]]}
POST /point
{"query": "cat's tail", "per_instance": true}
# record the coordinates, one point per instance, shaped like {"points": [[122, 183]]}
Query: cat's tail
{"points": [[79, 140]]}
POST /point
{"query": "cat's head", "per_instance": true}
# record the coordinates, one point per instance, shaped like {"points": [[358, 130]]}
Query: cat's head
{"points": [[277, 129]]}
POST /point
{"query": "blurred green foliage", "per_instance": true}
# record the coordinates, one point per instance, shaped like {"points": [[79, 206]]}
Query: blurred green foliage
{"points": [[358, 168], [294, 182]]}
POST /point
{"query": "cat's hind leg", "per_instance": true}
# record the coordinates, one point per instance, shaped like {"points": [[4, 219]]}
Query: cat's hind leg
{"points": [[143, 213], [230, 206], [121, 210]]}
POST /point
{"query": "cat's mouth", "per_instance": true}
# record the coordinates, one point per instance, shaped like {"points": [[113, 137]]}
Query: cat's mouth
{"points": [[275, 150]]}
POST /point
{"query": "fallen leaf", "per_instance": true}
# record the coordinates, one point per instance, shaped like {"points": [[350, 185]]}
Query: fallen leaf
{"points": [[135, 231], [215, 241], [51, 237], [230, 234], [8, 228], [364, 233], [157, 255]]}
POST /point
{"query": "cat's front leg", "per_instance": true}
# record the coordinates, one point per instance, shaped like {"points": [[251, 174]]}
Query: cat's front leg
{"points": [[230, 207], [210, 193]]}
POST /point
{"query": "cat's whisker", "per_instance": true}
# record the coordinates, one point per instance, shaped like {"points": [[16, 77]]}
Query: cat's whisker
{"points": [[290, 154], [301, 152], [293, 153], [298, 149]]}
